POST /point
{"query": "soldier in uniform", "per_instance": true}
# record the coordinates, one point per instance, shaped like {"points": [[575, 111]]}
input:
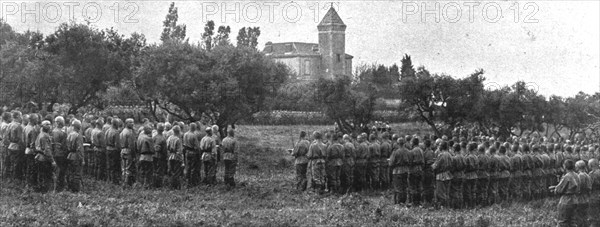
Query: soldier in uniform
{"points": [[15, 147], [568, 189], [527, 166], [415, 174], [470, 182], [192, 156], [373, 165], [483, 176], [334, 155], [127, 141], [301, 161], [386, 151], [494, 173], [31, 133], [443, 167], [145, 145], [458, 176], [585, 188], [230, 157], [4, 143], [113, 152], [59, 146], [160, 155], [316, 155], [399, 161], [208, 147], [594, 202], [75, 161], [88, 152], [347, 176], [43, 160], [362, 157], [98, 144], [428, 174], [503, 174], [516, 173], [175, 161]]}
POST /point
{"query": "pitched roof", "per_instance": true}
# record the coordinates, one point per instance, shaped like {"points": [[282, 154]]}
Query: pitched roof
{"points": [[331, 17], [292, 48]]}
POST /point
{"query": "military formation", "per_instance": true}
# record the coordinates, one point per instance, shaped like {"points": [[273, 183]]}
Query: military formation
{"points": [[460, 171], [52, 153]]}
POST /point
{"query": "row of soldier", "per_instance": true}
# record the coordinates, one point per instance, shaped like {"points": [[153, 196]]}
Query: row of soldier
{"points": [[31, 150], [456, 173]]}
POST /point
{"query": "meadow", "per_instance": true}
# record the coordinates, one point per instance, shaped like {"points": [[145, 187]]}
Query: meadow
{"points": [[264, 196]]}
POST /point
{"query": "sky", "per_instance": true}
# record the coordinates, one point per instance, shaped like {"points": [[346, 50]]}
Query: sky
{"points": [[553, 46]]}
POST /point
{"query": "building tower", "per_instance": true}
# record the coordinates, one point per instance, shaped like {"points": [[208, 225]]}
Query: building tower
{"points": [[332, 44]]}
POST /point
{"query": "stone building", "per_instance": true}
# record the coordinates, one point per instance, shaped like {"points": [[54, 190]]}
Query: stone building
{"points": [[312, 60]]}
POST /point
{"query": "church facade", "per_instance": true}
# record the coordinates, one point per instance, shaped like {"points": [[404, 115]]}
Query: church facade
{"points": [[310, 61]]}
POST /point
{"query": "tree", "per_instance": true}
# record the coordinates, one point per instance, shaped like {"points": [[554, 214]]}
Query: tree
{"points": [[248, 37], [348, 106], [207, 36], [171, 30], [222, 37], [220, 86], [406, 70]]}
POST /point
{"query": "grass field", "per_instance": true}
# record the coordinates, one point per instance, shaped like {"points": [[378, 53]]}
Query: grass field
{"points": [[264, 197]]}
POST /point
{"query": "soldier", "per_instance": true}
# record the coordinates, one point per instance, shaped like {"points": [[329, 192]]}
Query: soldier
{"points": [[334, 157], [316, 155], [494, 173], [568, 189], [384, 169], [503, 174], [428, 174], [218, 155], [98, 144], [458, 176], [470, 182], [399, 161], [443, 167], [208, 147], [127, 141], [347, 176], [483, 176], [551, 174], [168, 130], [560, 158], [75, 161], [14, 139], [88, 152], [4, 143], [415, 173], [527, 166], [301, 161], [145, 145], [31, 132], [160, 155], [59, 146], [43, 160], [192, 156], [585, 187], [373, 164], [107, 125], [594, 202], [175, 161], [362, 156], [516, 173], [230, 157], [546, 170], [113, 152]]}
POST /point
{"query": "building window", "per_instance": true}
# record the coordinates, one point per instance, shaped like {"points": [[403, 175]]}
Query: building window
{"points": [[306, 67], [339, 57]]}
